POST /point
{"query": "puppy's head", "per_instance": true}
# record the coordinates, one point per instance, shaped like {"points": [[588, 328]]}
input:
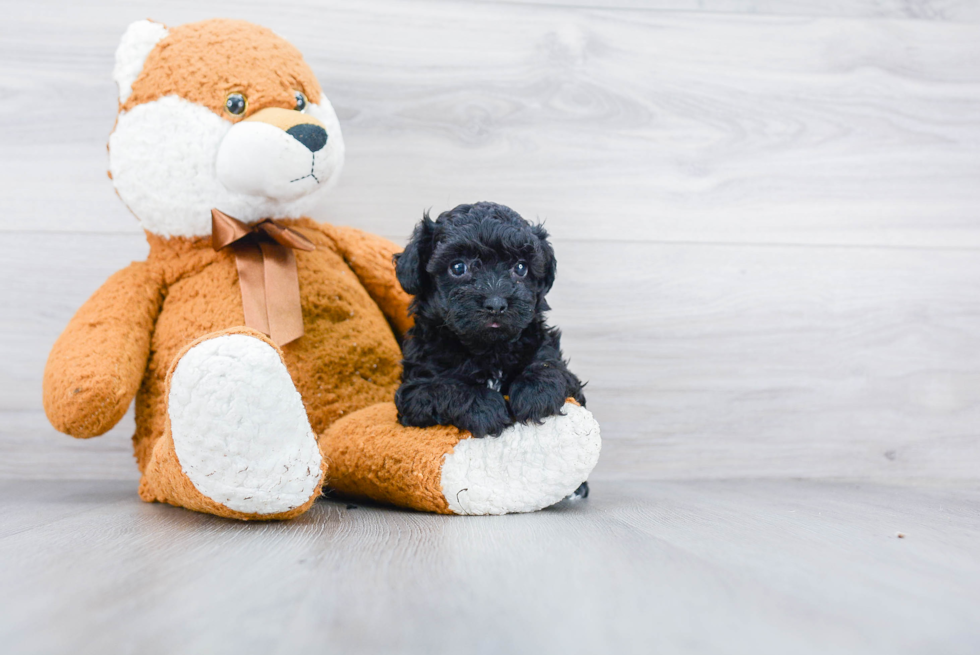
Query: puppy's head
{"points": [[481, 270]]}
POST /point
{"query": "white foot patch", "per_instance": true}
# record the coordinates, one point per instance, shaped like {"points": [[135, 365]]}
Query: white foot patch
{"points": [[240, 429], [526, 468]]}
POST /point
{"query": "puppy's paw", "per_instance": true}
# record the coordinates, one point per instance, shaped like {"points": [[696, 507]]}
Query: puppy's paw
{"points": [[533, 399], [487, 416]]}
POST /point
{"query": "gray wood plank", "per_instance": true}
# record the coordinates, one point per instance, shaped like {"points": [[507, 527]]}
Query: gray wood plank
{"points": [[732, 361], [611, 124], [938, 10], [47, 280], [31, 449], [766, 218], [640, 567], [42, 503], [702, 361]]}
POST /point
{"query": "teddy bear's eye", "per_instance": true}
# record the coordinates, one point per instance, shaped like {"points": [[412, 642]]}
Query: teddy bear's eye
{"points": [[235, 104], [300, 100], [457, 268], [520, 269]]}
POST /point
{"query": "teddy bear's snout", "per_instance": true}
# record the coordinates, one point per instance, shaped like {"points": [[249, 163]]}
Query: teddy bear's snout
{"points": [[278, 154], [312, 136]]}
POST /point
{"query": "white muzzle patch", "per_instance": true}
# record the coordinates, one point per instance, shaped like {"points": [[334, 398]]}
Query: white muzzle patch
{"points": [[259, 159], [172, 161]]}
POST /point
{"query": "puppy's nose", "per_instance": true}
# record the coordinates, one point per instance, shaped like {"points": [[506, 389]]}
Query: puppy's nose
{"points": [[495, 304], [313, 137]]}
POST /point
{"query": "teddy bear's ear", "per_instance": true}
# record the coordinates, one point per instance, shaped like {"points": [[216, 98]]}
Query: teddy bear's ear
{"points": [[135, 46]]}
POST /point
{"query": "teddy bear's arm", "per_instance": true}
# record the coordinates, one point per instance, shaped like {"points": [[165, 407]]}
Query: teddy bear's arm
{"points": [[97, 364], [370, 257]]}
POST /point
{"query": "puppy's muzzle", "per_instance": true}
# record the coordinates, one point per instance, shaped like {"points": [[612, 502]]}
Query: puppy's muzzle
{"points": [[495, 305]]}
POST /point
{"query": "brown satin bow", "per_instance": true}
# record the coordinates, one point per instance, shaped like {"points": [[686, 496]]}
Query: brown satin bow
{"points": [[266, 273]]}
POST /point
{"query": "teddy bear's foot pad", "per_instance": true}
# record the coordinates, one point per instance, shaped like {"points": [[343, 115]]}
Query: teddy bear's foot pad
{"points": [[526, 468], [239, 427]]}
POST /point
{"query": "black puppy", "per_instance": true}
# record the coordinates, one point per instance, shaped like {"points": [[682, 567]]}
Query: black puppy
{"points": [[480, 355]]}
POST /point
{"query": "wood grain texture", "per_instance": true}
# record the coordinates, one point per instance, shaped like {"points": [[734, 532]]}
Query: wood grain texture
{"points": [[766, 217], [640, 567], [937, 10], [702, 361], [612, 124], [732, 361], [767, 226]]}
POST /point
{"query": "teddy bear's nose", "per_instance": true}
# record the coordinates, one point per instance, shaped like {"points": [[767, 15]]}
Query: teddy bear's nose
{"points": [[313, 137]]}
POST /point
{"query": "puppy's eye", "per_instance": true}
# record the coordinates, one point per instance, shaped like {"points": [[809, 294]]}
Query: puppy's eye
{"points": [[457, 269], [520, 269], [300, 101], [236, 104]]}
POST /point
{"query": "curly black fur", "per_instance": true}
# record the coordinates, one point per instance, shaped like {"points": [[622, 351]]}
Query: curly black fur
{"points": [[480, 355]]}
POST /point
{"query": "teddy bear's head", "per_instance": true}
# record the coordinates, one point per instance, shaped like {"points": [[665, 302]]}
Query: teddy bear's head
{"points": [[218, 114]]}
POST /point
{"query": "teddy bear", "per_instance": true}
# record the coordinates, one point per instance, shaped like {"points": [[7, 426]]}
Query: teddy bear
{"points": [[262, 347]]}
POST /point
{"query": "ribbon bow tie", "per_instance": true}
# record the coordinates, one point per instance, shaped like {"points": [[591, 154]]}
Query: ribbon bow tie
{"points": [[266, 273]]}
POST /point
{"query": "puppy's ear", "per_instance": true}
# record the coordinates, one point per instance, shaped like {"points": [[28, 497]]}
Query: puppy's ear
{"points": [[548, 254], [410, 264]]}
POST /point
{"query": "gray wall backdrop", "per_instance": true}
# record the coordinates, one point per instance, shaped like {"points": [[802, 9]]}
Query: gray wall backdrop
{"points": [[766, 213]]}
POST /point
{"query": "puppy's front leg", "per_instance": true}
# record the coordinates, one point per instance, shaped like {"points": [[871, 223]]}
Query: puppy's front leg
{"points": [[487, 416], [541, 389], [538, 392], [477, 409]]}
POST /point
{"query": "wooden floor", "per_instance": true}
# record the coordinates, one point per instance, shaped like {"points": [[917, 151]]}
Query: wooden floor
{"points": [[640, 567], [767, 218]]}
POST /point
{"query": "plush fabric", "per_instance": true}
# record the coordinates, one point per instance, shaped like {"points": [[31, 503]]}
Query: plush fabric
{"points": [[369, 454], [135, 46], [227, 422], [127, 337], [202, 62], [97, 364], [348, 358], [527, 468], [239, 428], [173, 127], [443, 469], [213, 465]]}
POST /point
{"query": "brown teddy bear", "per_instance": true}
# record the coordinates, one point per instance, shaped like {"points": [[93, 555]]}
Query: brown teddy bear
{"points": [[243, 338]]}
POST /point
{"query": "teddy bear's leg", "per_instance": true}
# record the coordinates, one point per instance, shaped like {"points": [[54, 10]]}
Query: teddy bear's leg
{"points": [[444, 470], [238, 441]]}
